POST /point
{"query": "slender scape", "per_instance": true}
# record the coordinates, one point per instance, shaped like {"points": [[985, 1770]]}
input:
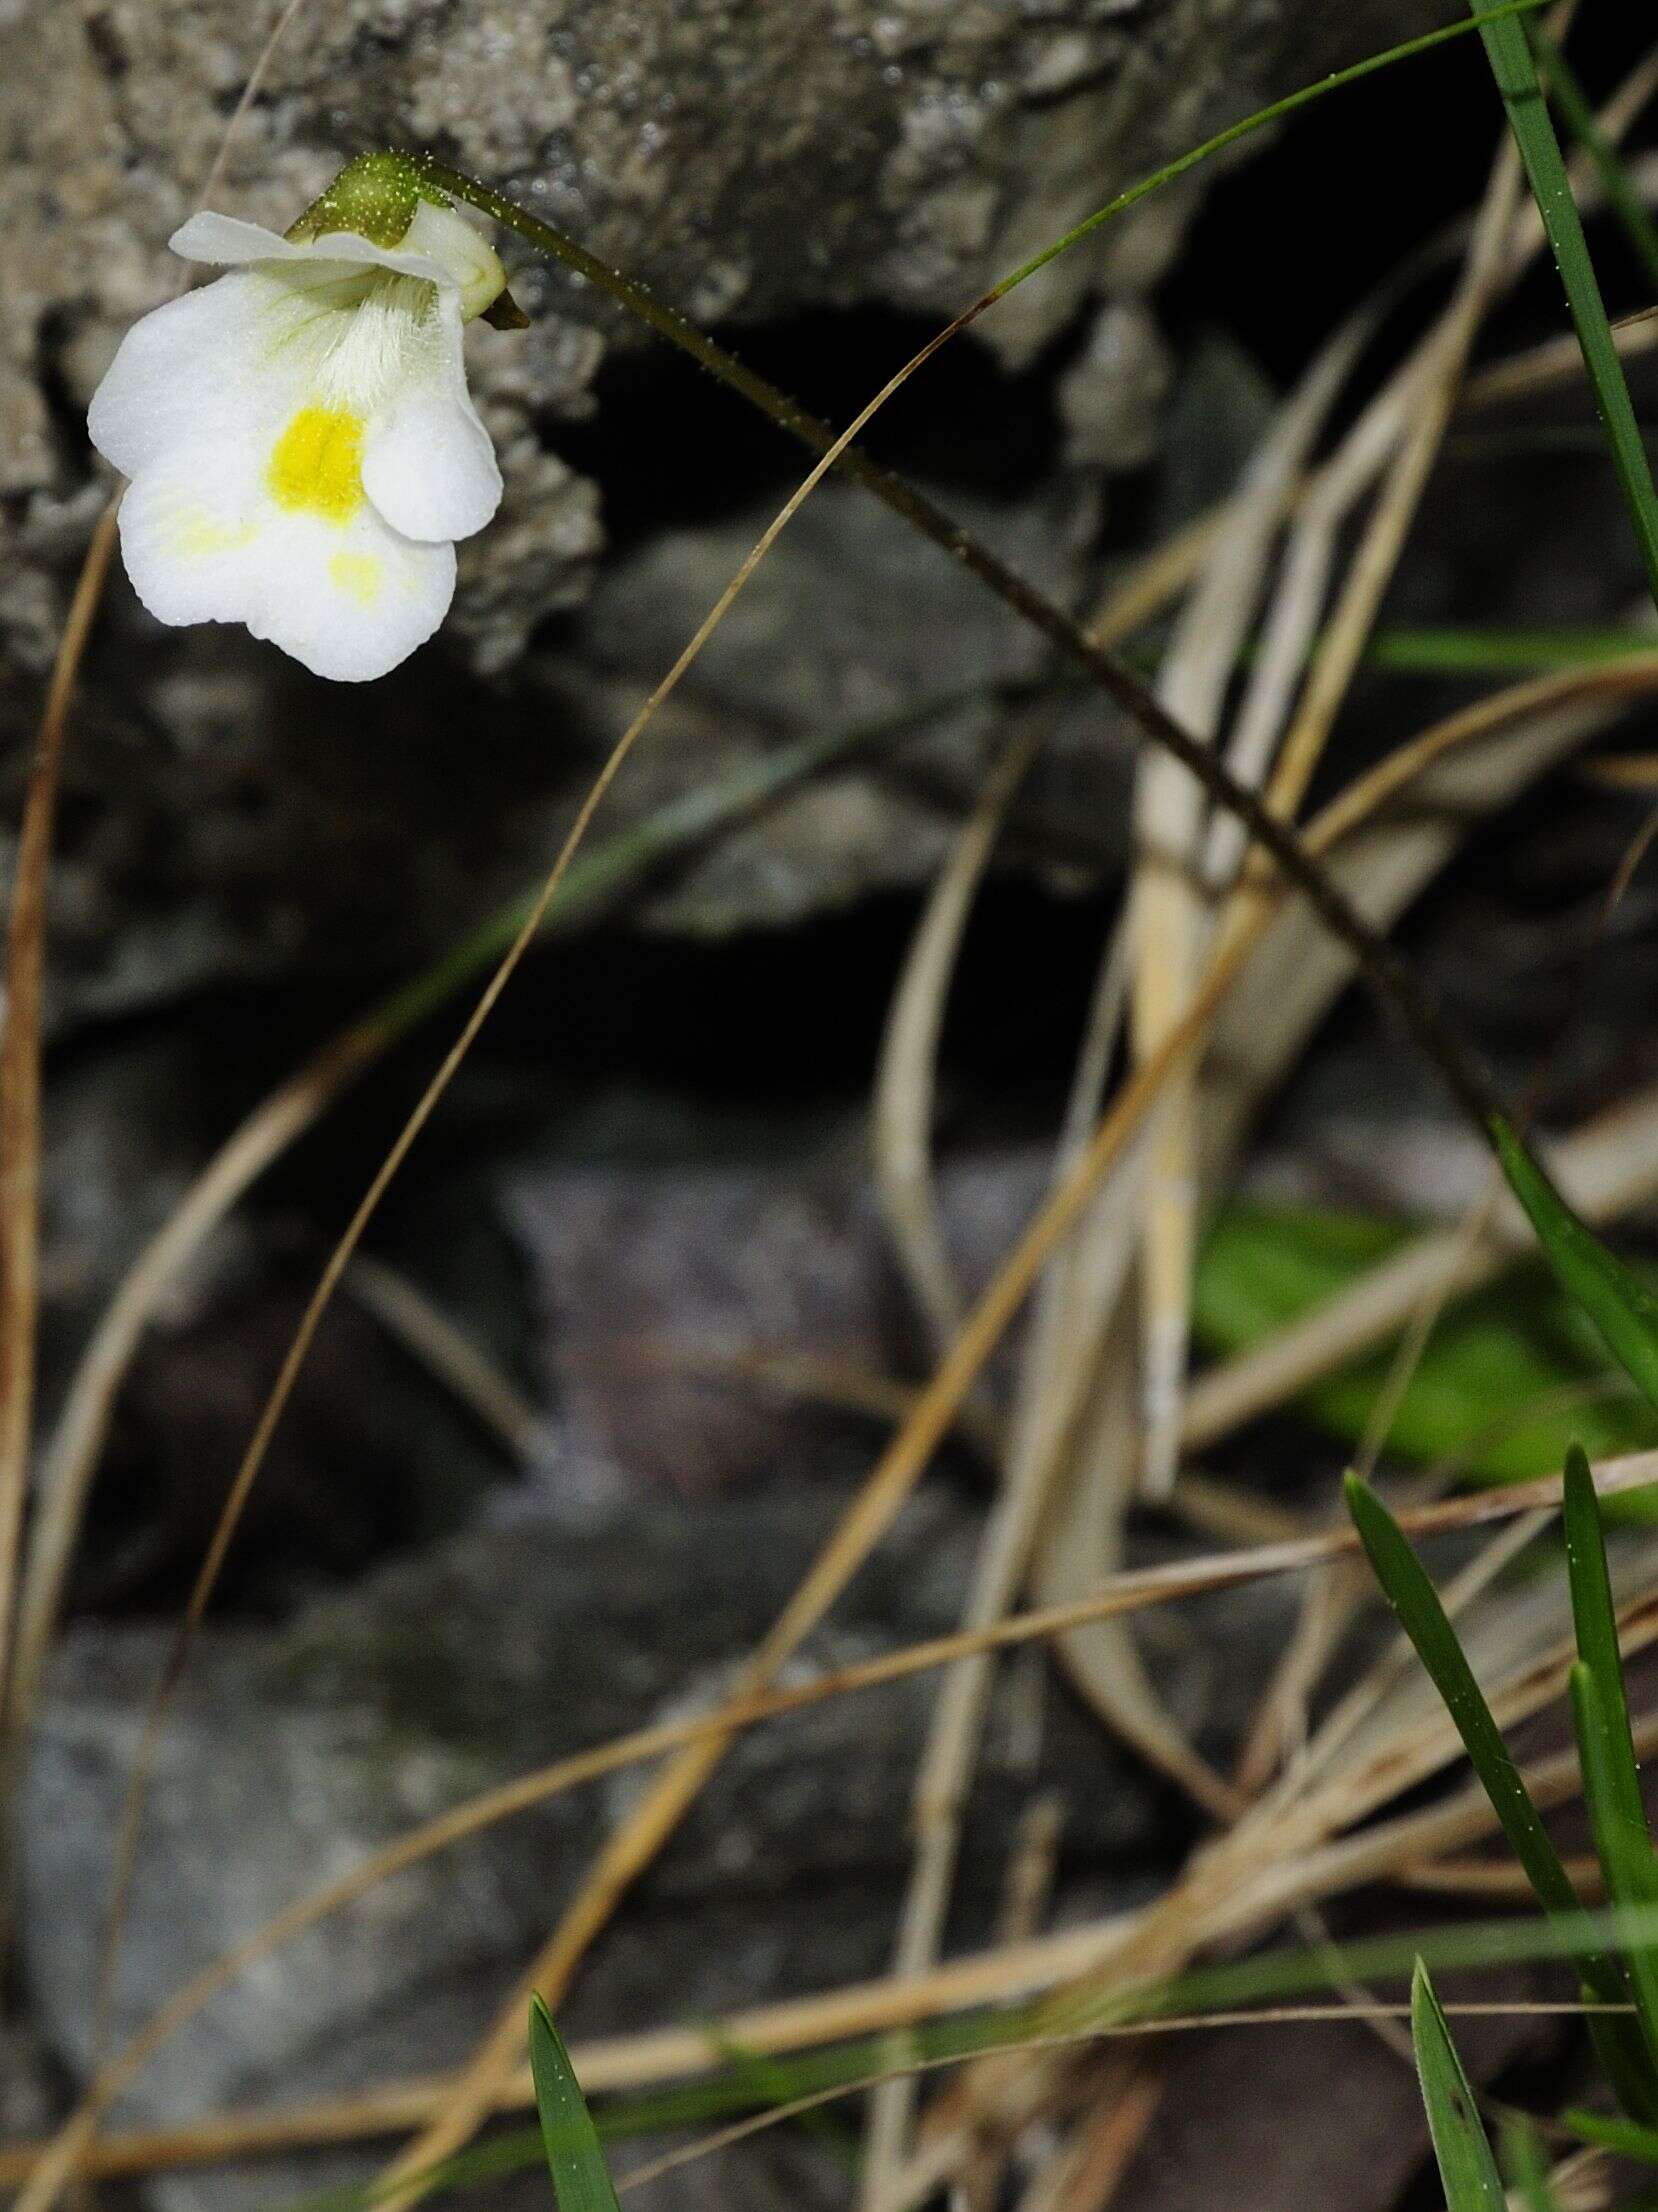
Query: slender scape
{"points": [[1389, 977]]}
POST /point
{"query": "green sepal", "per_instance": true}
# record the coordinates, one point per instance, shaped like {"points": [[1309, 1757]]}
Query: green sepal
{"points": [[376, 196]]}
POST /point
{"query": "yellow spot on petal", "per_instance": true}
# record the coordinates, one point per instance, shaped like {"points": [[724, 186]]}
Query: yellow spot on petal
{"points": [[316, 466], [197, 534], [357, 575]]}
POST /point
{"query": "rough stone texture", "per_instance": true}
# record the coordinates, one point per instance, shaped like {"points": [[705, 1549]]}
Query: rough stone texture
{"points": [[227, 819], [669, 1299], [230, 817], [503, 1649]]}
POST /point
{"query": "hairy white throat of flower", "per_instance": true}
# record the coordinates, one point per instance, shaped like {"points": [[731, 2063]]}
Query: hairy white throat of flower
{"points": [[361, 334]]}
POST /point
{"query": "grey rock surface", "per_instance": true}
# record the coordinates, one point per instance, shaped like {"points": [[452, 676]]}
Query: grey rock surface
{"points": [[693, 1321], [228, 820], [294, 1751], [751, 161]]}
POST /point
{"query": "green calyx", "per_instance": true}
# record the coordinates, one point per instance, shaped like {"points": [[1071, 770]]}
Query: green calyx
{"points": [[376, 196]]}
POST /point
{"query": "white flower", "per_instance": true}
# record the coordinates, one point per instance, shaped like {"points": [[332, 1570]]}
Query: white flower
{"points": [[301, 443]]}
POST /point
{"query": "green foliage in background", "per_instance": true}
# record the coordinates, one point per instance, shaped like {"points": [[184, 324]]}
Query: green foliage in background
{"points": [[1511, 1375]]}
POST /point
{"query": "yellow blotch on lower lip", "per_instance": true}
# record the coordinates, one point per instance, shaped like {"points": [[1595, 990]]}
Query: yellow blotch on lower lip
{"points": [[357, 575], [316, 466], [198, 534]]}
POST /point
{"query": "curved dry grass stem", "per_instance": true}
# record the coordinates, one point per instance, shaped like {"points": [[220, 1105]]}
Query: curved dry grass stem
{"points": [[20, 1099], [1002, 1974], [340, 1258], [901, 1112], [1062, 1350], [638, 1840], [20, 1056], [629, 2062], [1168, 900], [1381, 966], [654, 1820]]}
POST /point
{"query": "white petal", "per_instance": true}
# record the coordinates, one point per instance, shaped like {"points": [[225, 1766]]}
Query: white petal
{"points": [[225, 240], [428, 464], [190, 369], [459, 239], [203, 541]]}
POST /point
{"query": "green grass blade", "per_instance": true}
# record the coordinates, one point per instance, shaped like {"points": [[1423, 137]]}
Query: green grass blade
{"points": [[1622, 1309], [1504, 13], [1621, 1844], [1409, 1590], [1526, 2167], [1628, 2138], [768, 2082], [581, 2180], [1466, 2165], [1447, 649], [1595, 1620], [1514, 66], [1579, 117]]}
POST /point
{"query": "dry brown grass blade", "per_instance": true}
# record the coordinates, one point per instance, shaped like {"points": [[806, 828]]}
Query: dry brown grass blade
{"points": [[20, 1078], [1624, 771], [340, 1258], [1166, 901], [1085, 2173], [903, 1129], [901, 1118], [1424, 397], [1059, 1362], [1339, 821], [1387, 1852], [637, 1842], [1061, 1382], [1427, 390], [71, 1456], [1477, 757], [906, 1075], [1405, 421], [449, 1355]]}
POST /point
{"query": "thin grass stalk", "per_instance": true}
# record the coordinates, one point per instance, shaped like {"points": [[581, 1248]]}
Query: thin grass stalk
{"points": [[1393, 1851], [20, 1091], [1417, 1015], [633, 1846], [70, 1459], [1622, 196], [1515, 70], [1210, 634], [1167, 901]]}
